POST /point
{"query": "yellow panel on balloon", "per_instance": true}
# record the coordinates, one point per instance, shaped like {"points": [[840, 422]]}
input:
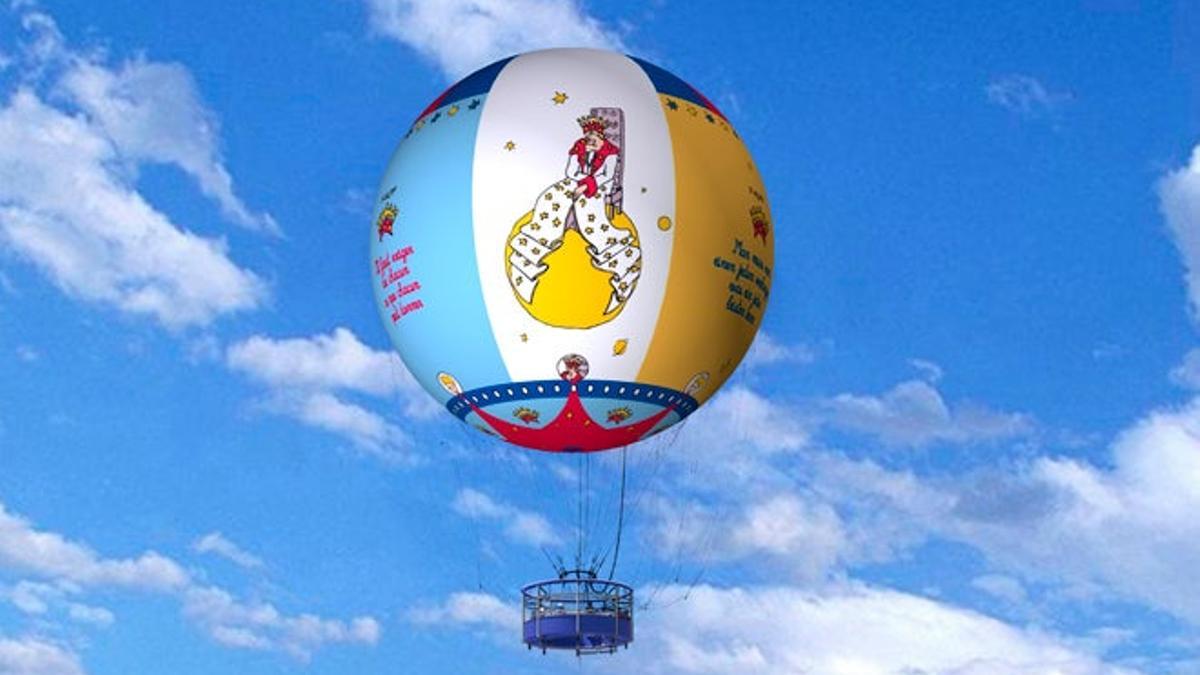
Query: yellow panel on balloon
{"points": [[723, 258]]}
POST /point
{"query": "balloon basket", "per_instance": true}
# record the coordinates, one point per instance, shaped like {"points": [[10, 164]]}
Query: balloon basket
{"points": [[577, 612]]}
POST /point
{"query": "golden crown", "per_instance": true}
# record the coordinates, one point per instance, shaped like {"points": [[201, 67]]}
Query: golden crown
{"points": [[593, 123]]}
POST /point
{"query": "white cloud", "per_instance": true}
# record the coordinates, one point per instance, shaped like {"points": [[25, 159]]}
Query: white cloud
{"points": [[802, 538], [322, 362], [38, 599], [476, 505], [1130, 529], [470, 609], [73, 569], [261, 626], [463, 35], [46, 41], [786, 525], [369, 431], [852, 630], [1187, 373], [1025, 95], [153, 113], [1001, 586], [96, 616], [929, 371], [34, 656], [1126, 530], [66, 209], [739, 415], [68, 163], [216, 543], [767, 351], [521, 526], [28, 354], [32, 597], [913, 413], [47, 554], [306, 375], [1179, 201]]}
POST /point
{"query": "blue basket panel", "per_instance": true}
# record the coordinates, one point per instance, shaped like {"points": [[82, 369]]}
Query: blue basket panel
{"points": [[591, 632]]}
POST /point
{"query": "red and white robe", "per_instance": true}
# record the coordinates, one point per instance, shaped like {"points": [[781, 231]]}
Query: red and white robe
{"points": [[578, 202]]}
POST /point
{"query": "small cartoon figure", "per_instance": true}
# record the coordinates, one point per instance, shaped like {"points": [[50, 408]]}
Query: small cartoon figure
{"points": [[618, 415], [526, 415], [387, 218], [450, 384], [573, 368], [759, 220]]}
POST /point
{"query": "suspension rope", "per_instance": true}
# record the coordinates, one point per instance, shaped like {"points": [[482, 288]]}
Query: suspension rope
{"points": [[587, 499], [579, 522], [620, 518]]}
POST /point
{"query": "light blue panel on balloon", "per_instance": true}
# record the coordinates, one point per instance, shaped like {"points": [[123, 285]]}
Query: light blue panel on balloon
{"points": [[424, 270]]}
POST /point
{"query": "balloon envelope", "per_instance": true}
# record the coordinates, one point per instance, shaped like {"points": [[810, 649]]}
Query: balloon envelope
{"points": [[572, 249]]}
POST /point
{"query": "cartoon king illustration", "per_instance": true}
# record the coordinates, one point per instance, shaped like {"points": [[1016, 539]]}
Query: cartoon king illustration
{"points": [[580, 202]]}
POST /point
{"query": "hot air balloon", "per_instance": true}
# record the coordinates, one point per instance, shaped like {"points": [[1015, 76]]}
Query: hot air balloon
{"points": [[572, 250]]}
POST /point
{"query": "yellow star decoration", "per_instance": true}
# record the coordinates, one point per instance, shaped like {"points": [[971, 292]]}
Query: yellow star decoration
{"points": [[510, 145], [452, 111], [559, 98]]}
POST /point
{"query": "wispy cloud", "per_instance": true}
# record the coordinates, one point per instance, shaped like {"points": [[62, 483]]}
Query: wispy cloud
{"points": [[738, 414], [767, 351], [1179, 201], [72, 569], [914, 413], [37, 598], [929, 371], [462, 35], [1126, 530], [216, 543], [260, 626], [801, 539], [520, 525], [26, 549], [153, 113], [309, 378], [846, 629], [68, 203], [1026, 96], [1124, 527], [1187, 373], [469, 609], [31, 655]]}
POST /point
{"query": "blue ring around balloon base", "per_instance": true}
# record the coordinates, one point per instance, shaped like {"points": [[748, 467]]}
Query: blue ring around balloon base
{"points": [[558, 389]]}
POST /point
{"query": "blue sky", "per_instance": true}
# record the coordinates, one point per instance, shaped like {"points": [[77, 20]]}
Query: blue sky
{"points": [[968, 440]]}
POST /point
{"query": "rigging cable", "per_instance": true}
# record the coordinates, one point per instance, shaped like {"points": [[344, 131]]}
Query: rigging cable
{"points": [[620, 517], [587, 499], [579, 521]]}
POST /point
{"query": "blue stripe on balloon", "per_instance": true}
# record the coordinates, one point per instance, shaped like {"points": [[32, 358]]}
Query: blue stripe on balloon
{"points": [[451, 332], [477, 83], [666, 83]]}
